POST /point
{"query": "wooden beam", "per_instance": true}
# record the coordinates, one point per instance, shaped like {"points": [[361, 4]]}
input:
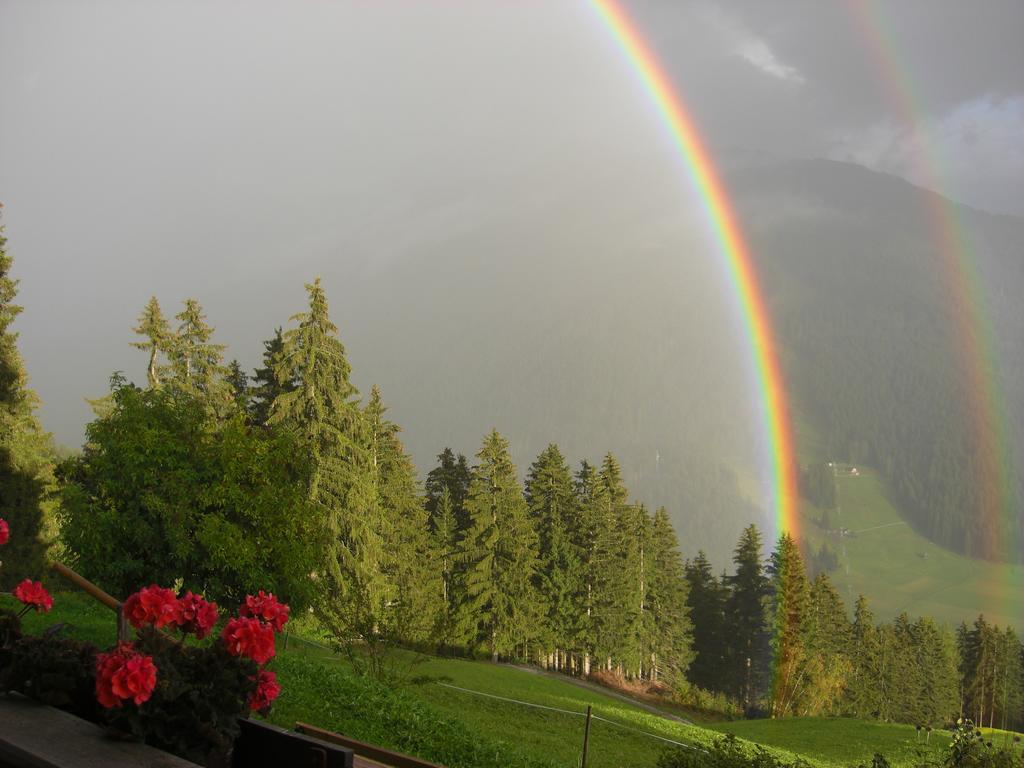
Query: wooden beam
{"points": [[361, 749]]}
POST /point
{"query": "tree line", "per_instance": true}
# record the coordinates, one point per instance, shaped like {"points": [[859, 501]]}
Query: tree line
{"points": [[290, 479]]}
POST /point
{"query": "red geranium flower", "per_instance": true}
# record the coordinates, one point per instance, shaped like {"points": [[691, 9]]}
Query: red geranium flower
{"points": [[34, 595], [5, 531], [249, 637], [266, 608], [152, 605], [267, 689], [124, 674], [197, 615]]}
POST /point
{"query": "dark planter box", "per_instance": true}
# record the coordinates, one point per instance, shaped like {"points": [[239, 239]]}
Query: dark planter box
{"points": [[263, 744], [33, 735]]}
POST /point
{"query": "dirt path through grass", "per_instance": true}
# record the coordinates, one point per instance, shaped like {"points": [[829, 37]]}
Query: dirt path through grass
{"points": [[639, 703]]}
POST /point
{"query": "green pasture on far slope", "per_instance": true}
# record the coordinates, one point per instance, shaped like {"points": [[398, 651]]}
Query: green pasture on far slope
{"points": [[898, 570]]}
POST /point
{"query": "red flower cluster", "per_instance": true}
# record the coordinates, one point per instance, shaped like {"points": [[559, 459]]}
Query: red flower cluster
{"points": [[267, 689], [5, 531], [249, 637], [266, 607], [33, 594], [124, 674], [152, 605], [197, 615]]}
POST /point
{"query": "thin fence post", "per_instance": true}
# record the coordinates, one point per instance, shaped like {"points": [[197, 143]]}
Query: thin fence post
{"points": [[123, 632], [586, 738]]}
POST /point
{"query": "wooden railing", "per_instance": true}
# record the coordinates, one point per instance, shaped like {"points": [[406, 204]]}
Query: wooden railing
{"points": [[97, 594], [379, 755]]}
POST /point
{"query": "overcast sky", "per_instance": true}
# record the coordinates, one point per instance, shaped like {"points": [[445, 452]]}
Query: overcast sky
{"points": [[231, 150]]}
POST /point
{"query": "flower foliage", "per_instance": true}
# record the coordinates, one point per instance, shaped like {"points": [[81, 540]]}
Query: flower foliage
{"points": [[34, 595], [153, 605], [123, 675], [198, 616], [5, 532], [250, 638], [267, 608], [267, 689]]}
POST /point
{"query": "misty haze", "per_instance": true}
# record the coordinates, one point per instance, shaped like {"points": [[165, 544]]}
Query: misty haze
{"points": [[435, 365]]}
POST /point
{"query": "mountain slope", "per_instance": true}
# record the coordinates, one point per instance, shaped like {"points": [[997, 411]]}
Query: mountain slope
{"points": [[862, 301], [607, 326]]}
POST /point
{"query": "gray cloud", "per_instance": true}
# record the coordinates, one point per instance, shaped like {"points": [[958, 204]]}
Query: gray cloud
{"points": [[231, 150]]}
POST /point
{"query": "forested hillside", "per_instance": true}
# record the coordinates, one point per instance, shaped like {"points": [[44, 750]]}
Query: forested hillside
{"points": [[608, 326], [863, 308]]}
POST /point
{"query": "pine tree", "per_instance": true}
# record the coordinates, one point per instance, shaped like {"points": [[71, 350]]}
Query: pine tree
{"points": [[451, 473], [614, 566], [670, 628], [592, 503], [937, 697], [26, 464], [864, 691], [554, 515], [790, 599], [323, 411], [265, 387], [196, 363], [498, 551], [635, 563], [159, 338], [902, 675], [238, 384], [445, 534], [827, 642], [747, 649], [706, 601], [413, 604]]}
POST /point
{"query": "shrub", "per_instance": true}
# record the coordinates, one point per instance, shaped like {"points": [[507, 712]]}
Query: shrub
{"points": [[726, 752], [159, 494]]}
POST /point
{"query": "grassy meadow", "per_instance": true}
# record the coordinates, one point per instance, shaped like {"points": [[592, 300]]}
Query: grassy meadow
{"points": [[424, 716]]}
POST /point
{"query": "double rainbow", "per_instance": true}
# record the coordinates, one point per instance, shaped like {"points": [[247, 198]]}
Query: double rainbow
{"points": [[970, 324], [742, 273]]}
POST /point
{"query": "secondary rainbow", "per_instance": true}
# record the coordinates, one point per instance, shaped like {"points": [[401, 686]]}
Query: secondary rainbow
{"points": [[742, 273], [971, 328]]}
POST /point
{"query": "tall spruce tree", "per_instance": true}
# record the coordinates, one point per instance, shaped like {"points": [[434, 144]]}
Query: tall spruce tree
{"points": [[670, 627], [554, 514], [636, 640], [238, 386], [593, 505], [266, 387], [498, 550], [706, 601], [413, 606], [790, 599], [747, 638], [159, 337], [827, 643], [863, 693], [323, 410], [197, 363], [445, 535], [616, 558], [451, 473], [26, 463], [936, 699]]}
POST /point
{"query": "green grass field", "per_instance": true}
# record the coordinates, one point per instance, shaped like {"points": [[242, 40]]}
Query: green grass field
{"points": [[900, 570], [841, 740], [426, 717]]}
